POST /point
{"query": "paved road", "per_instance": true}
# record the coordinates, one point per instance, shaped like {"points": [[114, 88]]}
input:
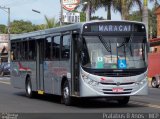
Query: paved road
{"points": [[14, 100]]}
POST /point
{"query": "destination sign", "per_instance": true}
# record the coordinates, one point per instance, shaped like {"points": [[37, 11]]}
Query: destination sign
{"points": [[110, 28], [114, 27]]}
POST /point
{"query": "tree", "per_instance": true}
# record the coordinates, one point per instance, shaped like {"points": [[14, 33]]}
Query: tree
{"points": [[90, 7], [3, 28], [108, 4], [51, 22], [20, 26], [97, 18], [135, 16], [152, 22], [125, 6]]}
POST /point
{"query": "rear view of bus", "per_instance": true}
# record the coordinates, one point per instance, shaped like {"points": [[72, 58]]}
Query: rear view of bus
{"points": [[113, 60]]}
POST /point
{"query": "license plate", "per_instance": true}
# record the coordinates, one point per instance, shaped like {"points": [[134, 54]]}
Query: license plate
{"points": [[117, 90]]}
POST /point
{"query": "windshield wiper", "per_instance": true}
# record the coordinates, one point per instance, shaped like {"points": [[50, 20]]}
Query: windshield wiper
{"points": [[107, 47], [130, 46]]}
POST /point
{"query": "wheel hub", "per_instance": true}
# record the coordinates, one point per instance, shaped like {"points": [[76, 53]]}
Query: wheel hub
{"points": [[29, 89], [66, 92]]}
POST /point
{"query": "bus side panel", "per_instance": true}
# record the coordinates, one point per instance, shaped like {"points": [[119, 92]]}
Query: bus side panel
{"points": [[18, 74], [32, 74], [65, 71], [15, 75], [53, 73], [51, 77]]}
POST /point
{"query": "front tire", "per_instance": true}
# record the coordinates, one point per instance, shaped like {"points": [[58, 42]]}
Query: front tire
{"points": [[29, 92], [123, 101], [154, 83], [66, 98]]}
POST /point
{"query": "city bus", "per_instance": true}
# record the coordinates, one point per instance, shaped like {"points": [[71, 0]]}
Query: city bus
{"points": [[96, 59]]}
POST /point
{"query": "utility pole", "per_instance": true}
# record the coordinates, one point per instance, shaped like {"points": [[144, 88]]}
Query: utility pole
{"points": [[61, 13], [8, 30], [88, 11]]}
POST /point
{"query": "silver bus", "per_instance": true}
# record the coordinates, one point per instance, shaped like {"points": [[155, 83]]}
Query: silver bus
{"points": [[97, 59]]}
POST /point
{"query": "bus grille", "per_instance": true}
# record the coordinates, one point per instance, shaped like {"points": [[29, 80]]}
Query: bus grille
{"points": [[128, 83], [121, 74], [116, 92], [109, 91]]}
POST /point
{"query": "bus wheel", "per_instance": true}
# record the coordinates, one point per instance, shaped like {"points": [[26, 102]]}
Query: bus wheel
{"points": [[124, 101], [29, 92], [66, 94], [154, 83]]}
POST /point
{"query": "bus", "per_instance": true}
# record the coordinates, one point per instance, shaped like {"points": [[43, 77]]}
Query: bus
{"points": [[96, 59]]}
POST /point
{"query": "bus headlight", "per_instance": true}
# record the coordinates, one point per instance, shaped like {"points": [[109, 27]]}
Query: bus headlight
{"points": [[141, 82], [90, 81]]}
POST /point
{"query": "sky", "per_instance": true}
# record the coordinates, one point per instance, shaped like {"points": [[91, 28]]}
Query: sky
{"points": [[22, 10]]}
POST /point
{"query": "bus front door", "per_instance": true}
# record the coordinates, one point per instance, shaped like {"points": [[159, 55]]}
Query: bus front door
{"points": [[39, 68]]}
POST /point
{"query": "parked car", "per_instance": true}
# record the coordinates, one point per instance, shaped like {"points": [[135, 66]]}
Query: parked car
{"points": [[4, 69]]}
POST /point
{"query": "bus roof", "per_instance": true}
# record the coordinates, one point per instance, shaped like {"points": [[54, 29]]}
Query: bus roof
{"points": [[62, 29]]}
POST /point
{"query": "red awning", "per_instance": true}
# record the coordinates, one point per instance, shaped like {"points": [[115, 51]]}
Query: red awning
{"points": [[154, 40]]}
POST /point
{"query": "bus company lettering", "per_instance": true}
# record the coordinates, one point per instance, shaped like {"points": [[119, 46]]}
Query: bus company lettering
{"points": [[114, 28]]}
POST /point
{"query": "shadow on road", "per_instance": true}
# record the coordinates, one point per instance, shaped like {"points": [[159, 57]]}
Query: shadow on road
{"points": [[82, 103]]}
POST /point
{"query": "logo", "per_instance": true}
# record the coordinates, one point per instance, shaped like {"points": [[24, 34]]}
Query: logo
{"points": [[118, 83], [122, 64], [70, 5]]}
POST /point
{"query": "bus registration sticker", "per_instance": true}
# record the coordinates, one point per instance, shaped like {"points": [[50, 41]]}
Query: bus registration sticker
{"points": [[117, 89]]}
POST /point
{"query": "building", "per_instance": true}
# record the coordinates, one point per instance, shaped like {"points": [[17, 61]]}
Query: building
{"points": [[3, 48], [155, 43]]}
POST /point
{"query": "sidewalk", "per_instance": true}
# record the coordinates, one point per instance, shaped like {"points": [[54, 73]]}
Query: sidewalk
{"points": [[5, 78]]}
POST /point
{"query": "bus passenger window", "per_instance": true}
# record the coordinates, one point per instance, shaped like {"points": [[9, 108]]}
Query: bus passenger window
{"points": [[65, 47], [13, 51], [48, 48], [56, 47], [32, 50]]}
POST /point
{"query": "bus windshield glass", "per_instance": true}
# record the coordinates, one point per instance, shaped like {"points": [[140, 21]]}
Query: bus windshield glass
{"points": [[114, 52]]}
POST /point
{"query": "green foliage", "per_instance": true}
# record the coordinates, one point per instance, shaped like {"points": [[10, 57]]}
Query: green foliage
{"points": [[135, 16], [152, 22], [51, 22], [97, 18], [40, 27], [82, 16], [20, 26], [3, 28]]}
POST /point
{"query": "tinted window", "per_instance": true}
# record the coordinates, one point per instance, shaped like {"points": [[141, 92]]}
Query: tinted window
{"points": [[56, 47], [48, 48], [32, 50], [13, 51], [25, 50], [65, 47], [18, 51]]}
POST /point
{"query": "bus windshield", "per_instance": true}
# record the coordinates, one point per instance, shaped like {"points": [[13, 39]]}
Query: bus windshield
{"points": [[114, 52]]}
